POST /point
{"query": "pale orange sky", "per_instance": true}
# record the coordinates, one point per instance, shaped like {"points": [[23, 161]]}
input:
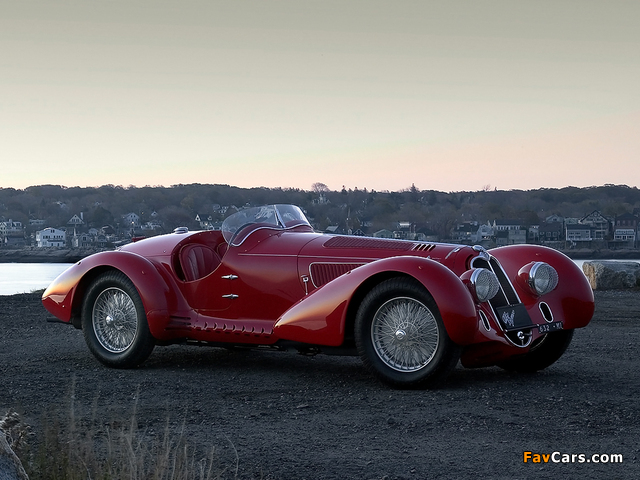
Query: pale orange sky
{"points": [[445, 95]]}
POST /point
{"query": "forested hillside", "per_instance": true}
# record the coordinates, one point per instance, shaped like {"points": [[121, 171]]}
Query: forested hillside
{"points": [[347, 208]]}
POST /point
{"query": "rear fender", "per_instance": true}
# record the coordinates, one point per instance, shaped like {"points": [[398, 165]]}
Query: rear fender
{"points": [[64, 297], [321, 317]]}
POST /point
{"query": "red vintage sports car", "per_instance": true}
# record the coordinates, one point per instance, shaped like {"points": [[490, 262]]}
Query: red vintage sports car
{"points": [[410, 309]]}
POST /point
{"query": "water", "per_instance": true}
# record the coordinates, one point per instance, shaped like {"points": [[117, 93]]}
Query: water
{"points": [[27, 277]]}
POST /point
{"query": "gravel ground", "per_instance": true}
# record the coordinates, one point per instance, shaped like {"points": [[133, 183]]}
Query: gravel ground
{"points": [[289, 416]]}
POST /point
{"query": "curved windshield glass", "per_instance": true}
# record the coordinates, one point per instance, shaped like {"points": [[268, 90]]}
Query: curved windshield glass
{"points": [[238, 226]]}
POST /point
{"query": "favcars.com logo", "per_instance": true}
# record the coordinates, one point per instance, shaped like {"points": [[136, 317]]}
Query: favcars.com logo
{"points": [[558, 457]]}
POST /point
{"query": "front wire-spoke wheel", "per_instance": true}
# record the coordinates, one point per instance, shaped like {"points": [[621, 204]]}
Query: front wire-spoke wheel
{"points": [[114, 322], [401, 337], [404, 334]]}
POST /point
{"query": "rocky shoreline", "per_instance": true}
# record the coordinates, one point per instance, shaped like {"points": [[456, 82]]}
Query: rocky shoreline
{"points": [[46, 255], [72, 255]]}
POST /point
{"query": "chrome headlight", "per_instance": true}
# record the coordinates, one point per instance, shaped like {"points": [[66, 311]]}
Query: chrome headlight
{"points": [[484, 284], [541, 277]]}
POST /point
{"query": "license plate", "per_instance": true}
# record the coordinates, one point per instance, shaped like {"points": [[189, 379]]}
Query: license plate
{"points": [[549, 327]]}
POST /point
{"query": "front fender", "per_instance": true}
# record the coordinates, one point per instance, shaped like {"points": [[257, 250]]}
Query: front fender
{"points": [[64, 297], [320, 318], [572, 300]]}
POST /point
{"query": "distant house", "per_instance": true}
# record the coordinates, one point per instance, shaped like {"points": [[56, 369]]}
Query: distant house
{"points": [[383, 234], [51, 237], [484, 235], [625, 231], [76, 220], [11, 229], [82, 240], [205, 220], [131, 220], [550, 232], [599, 223], [579, 235], [507, 224], [502, 238], [554, 219], [464, 232], [517, 236]]}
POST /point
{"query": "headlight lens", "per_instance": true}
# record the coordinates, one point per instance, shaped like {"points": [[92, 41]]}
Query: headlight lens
{"points": [[484, 283], [543, 278]]}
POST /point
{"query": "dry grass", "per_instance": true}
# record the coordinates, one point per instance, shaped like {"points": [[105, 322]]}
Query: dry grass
{"points": [[78, 447]]}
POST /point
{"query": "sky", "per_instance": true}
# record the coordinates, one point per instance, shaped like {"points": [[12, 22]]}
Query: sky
{"points": [[445, 95]]}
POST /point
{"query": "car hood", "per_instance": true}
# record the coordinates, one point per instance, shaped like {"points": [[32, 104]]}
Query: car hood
{"points": [[366, 249]]}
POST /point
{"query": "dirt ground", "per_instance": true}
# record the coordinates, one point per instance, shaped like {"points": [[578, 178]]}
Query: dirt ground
{"points": [[288, 416]]}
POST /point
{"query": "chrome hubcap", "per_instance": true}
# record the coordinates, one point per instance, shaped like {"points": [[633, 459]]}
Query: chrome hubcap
{"points": [[405, 334], [400, 335], [115, 320]]}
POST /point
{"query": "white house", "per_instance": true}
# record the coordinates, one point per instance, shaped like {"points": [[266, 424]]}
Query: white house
{"points": [[10, 228], [131, 220], [51, 237]]}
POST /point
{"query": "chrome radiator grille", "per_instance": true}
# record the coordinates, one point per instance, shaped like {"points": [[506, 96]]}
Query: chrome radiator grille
{"points": [[506, 295]]}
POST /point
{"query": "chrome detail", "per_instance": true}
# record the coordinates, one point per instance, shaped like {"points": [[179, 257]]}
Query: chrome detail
{"points": [[181, 230], [543, 278], [115, 320], [483, 254], [485, 320], [485, 284], [520, 338], [455, 250], [423, 247], [405, 334], [507, 294], [231, 276], [305, 281], [230, 295], [546, 311], [401, 335]]}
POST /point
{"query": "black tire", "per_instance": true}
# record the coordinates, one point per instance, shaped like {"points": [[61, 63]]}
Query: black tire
{"points": [[114, 322], [544, 351], [400, 335]]}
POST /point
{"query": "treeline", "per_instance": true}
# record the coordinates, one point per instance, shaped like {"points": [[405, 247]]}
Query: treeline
{"points": [[369, 210]]}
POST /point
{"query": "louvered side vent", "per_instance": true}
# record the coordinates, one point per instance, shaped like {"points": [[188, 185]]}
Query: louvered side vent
{"points": [[322, 273], [423, 247], [368, 242]]}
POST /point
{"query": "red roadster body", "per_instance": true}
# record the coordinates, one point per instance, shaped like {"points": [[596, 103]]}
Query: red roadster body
{"points": [[410, 309]]}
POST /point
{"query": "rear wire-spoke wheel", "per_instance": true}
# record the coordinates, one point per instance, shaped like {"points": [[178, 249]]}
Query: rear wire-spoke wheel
{"points": [[401, 337], [114, 322]]}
